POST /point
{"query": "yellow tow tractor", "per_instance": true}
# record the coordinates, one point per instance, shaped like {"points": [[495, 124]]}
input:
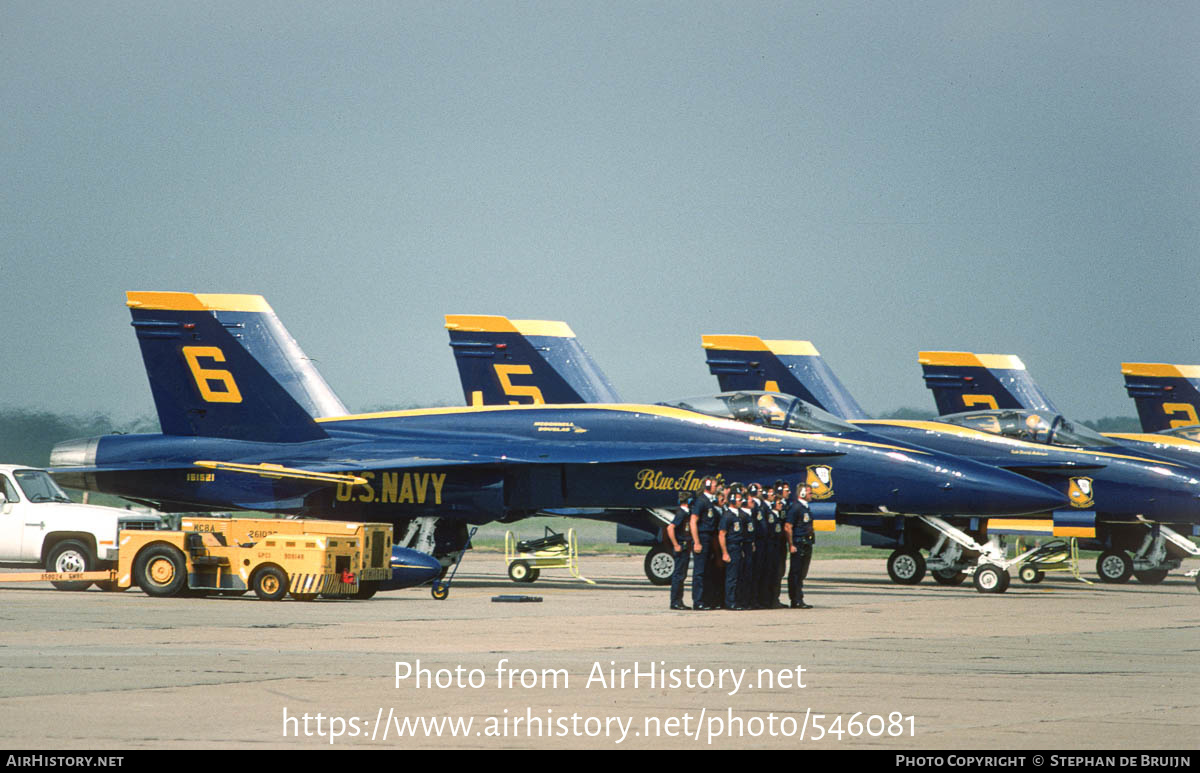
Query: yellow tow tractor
{"points": [[230, 556]]}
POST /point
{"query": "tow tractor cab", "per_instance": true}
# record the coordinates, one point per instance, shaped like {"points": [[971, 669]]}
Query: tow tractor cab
{"points": [[40, 525]]}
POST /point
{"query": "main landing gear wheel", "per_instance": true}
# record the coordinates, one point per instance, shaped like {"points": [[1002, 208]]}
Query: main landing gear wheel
{"points": [[1114, 566], [906, 567], [1031, 574], [70, 556], [949, 577], [520, 571], [659, 566], [270, 583], [990, 578], [1150, 576], [160, 570]]}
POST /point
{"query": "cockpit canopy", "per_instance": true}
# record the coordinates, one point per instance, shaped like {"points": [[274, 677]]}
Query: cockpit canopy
{"points": [[1031, 426], [766, 409], [1191, 432]]}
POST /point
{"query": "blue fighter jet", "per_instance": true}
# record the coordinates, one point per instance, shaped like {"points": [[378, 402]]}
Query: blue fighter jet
{"points": [[1010, 402], [502, 361], [247, 423], [1116, 494]]}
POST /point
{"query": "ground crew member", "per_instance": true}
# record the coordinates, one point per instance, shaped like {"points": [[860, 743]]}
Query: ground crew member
{"points": [[800, 538], [680, 536], [745, 585], [703, 527], [714, 590], [773, 551], [758, 563], [731, 534]]}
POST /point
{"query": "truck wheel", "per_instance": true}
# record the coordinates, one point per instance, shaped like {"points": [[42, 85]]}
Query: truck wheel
{"points": [[906, 567], [160, 570], [270, 583], [70, 556], [1114, 566], [659, 565]]}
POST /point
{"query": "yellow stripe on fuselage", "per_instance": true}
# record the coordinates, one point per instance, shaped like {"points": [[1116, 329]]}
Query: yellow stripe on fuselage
{"points": [[1015, 446], [1166, 440], [665, 411], [169, 301], [1039, 526]]}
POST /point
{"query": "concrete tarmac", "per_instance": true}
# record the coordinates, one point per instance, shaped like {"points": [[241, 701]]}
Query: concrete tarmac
{"points": [[1059, 665]]}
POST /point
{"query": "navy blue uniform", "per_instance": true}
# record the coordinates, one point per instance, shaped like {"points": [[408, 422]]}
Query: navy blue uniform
{"points": [[745, 583], [802, 538], [732, 526], [683, 556], [758, 563], [773, 558], [705, 512]]}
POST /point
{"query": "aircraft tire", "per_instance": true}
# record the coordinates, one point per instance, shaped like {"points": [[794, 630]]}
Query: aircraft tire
{"points": [[1114, 566], [1151, 576], [1031, 575], [990, 578], [270, 583], [70, 555], [659, 565], [949, 577], [906, 567], [160, 570]]}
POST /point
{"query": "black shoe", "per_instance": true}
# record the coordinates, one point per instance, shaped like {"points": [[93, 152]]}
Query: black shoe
{"points": [[681, 606]]}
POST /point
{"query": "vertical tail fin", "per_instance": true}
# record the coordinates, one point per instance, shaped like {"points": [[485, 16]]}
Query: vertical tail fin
{"points": [[502, 361], [1167, 396], [962, 381], [792, 367], [224, 366]]}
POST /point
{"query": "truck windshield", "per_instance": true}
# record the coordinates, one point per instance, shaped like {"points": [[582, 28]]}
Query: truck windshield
{"points": [[39, 486]]}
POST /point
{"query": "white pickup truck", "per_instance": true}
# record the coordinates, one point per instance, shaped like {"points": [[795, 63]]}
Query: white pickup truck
{"points": [[40, 525]]}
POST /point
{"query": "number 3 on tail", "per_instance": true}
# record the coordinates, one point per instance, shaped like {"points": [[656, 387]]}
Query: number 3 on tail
{"points": [[205, 377]]}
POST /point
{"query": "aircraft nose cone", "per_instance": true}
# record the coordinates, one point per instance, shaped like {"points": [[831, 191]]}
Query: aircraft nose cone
{"points": [[999, 492], [411, 568]]}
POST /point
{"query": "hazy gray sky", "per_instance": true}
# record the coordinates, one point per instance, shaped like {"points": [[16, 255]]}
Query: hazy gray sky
{"points": [[1012, 177]]}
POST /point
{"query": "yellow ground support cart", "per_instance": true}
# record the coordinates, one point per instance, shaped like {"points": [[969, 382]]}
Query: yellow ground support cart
{"points": [[230, 556], [526, 558]]}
